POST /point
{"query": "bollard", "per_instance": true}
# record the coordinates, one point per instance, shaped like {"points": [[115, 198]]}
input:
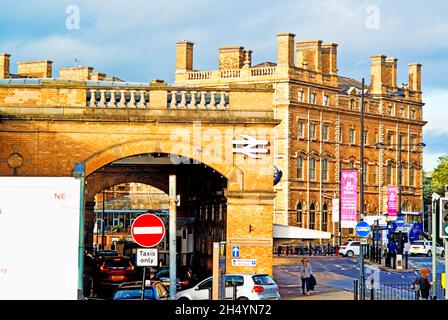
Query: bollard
{"points": [[406, 260], [394, 261], [209, 293], [355, 289], [372, 290]]}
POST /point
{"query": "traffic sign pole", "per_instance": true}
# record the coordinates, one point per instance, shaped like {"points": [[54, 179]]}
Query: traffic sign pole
{"points": [[143, 284], [435, 198], [147, 231], [362, 229]]}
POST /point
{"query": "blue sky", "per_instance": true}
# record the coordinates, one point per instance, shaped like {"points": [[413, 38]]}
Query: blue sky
{"points": [[135, 40]]}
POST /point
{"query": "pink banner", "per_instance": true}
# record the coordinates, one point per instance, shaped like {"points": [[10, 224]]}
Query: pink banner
{"points": [[349, 198], [392, 201]]}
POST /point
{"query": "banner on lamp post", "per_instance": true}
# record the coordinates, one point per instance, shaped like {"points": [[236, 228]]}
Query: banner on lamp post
{"points": [[349, 198], [392, 201], [335, 210]]}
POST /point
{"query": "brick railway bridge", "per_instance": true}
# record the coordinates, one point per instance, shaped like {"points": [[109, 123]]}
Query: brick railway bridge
{"points": [[133, 132]]}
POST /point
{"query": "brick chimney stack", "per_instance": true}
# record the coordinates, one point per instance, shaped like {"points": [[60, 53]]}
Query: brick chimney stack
{"points": [[4, 65]]}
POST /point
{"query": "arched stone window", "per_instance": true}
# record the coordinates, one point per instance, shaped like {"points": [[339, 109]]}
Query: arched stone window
{"points": [[351, 164], [312, 224], [299, 167], [389, 173], [312, 169], [324, 217], [299, 214]]}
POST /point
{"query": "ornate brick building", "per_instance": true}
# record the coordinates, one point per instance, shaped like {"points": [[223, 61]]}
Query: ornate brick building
{"points": [[320, 130]]}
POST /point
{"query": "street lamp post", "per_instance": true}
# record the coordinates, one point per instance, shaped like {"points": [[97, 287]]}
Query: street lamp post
{"points": [[400, 167], [361, 195]]}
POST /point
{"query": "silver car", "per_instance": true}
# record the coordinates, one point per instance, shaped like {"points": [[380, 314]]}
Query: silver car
{"points": [[248, 286]]}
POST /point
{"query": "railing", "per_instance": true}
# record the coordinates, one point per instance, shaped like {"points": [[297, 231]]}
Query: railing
{"points": [[117, 98], [182, 99], [255, 72], [234, 73], [259, 72], [393, 291], [199, 75]]}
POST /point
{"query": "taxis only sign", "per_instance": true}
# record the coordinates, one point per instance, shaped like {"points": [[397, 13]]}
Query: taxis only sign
{"points": [[147, 257]]}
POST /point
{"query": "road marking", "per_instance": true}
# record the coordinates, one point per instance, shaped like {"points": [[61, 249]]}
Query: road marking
{"points": [[148, 230]]}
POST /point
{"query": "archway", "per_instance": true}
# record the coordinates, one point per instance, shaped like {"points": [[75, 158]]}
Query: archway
{"points": [[201, 215]]}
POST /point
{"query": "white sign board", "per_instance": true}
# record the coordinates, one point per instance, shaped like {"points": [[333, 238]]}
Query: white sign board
{"points": [[39, 236], [147, 257], [244, 262]]}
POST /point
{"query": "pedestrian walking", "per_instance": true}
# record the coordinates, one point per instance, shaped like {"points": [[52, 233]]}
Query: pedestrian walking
{"points": [[305, 274], [421, 285]]}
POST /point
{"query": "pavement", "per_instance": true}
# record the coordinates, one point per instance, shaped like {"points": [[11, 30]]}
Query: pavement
{"points": [[335, 275], [287, 278]]}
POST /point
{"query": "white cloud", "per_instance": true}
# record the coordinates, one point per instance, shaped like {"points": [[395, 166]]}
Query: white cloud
{"points": [[436, 109], [430, 160]]}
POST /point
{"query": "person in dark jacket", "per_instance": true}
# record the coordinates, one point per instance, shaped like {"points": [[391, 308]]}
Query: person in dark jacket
{"points": [[424, 284]]}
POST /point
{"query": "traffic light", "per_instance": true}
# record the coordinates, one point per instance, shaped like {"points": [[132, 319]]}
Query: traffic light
{"points": [[444, 218]]}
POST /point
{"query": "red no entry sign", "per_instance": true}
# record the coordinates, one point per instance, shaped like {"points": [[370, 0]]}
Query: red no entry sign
{"points": [[148, 230]]}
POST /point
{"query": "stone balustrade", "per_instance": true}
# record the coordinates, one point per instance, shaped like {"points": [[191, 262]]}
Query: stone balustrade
{"points": [[259, 72], [183, 99], [233, 73], [117, 98], [199, 75]]}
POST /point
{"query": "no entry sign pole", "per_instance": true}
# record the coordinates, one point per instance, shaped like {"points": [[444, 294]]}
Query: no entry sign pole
{"points": [[147, 231], [172, 235]]}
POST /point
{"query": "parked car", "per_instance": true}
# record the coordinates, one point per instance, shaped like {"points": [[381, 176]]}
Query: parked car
{"points": [[112, 271], [425, 247], [349, 249], [185, 277], [249, 287], [154, 290]]}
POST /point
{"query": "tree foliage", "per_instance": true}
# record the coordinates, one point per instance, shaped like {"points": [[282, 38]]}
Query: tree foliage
{"points": [[440, 175], [427, 188]]}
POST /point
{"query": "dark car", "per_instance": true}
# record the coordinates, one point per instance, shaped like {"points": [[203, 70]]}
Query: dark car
{"points": [[101, 254], [185, 277], [154, 290], [111, 272]]}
